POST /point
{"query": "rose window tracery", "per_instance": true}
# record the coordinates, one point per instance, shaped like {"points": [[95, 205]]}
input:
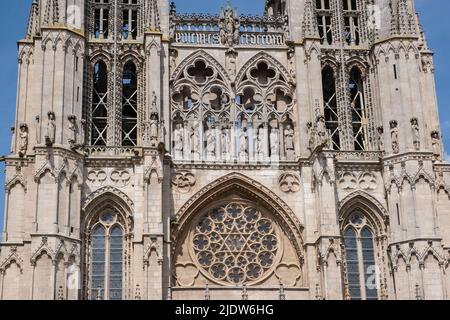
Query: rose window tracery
{"points": [[236, 244]]}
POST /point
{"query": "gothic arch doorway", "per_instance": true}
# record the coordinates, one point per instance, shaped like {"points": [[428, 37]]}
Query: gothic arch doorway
{"points": [[236, 233]]}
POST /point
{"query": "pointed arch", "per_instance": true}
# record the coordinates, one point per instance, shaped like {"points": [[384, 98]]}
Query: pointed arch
{"points": [[249, 188], [263, 56], [366, 204], [205, 56]]}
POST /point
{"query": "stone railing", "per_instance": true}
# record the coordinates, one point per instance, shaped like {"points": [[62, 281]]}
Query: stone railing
{"points": [[109, 152], [228, 29]]}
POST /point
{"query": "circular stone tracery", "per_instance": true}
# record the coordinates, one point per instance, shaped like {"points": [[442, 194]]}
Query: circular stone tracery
{"points": [[236, 244]]}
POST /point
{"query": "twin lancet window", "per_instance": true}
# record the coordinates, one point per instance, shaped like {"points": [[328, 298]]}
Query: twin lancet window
{"points": [[107, 259], [104, 19], [355, 107], [325, 12], [103, 114]]}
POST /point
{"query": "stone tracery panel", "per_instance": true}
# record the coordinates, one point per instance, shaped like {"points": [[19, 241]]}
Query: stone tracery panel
{"points": [[215, 122], [236, 243]]}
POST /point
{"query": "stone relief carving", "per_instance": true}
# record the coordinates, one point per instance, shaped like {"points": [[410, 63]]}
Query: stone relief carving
{"points": [[97, 177], [120, 178], [73, 131], [289, 182], [183, 181], [365, 181]]}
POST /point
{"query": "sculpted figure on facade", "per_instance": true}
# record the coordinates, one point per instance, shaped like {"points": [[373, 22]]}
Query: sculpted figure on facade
{"points": [[394, 136], [260, 142], [73, 131], [415, 133], [322, 132], [178, 140], [289, 142], [380, 138], [51, 129], [243, 143], [195, 140], [274, 138], [311, 131], [211, 141], [436, 143], [154, 129], [225, 141], [23, 146]]}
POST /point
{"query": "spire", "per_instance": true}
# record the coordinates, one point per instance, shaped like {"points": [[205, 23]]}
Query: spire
{"points": [[33, 21], [310, 29], [51, 12], [403, 21], [152, 20]]}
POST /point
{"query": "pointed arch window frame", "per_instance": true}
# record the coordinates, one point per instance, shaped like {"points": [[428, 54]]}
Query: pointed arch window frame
{"points": [[362, 266]]}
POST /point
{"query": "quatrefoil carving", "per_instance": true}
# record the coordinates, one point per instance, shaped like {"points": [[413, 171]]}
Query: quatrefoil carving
{"points": [[364, 181], [183, 181], [120, 177], [97, 177], [262, 73], [289, 182], [200, 72]]}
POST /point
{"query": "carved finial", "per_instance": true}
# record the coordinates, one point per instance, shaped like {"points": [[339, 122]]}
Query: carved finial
{"points": [[244, 292], [207, 295], [282, 295]]}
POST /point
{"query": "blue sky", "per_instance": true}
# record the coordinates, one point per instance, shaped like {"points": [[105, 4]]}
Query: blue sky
{"points": [[433, 13]]}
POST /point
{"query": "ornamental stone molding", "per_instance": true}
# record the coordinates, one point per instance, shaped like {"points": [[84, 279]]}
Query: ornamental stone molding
{"points": [[183, 181], [289, 182]]}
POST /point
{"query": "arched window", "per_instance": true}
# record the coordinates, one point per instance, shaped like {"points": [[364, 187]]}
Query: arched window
{"points": [[106, 259], [129, 105], [358, 109], [324, 14], [99, 109], [362, 271], [351, 22], [330, 106], [101, 11]]}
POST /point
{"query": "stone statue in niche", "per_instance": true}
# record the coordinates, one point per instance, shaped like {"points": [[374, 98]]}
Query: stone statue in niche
{"points": [[416, 133], [195, 140], [311, 130], [225, 141], [380, 138], [229, 28], [178, 140], [223, 99], [260, 142], [243, 143], [73, 131], [187, 139], [211, 141], [394, 136], [51, 129], [436, 143], [153, 130], [321, 131], [289, 141], [173, 59], [23, 135], [274, 140]]}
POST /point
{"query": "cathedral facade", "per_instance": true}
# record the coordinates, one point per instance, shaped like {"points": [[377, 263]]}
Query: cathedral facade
{"points": [[160, 155]]}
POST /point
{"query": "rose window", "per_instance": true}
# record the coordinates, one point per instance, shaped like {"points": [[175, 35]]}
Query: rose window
{"points": [[236, 244]]}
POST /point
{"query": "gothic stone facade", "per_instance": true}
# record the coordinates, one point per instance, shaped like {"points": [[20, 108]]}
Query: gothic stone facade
{"points": [[160, 155]]}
